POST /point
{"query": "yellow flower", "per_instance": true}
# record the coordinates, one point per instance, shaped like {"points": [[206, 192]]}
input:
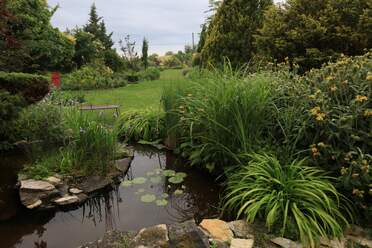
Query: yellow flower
{"points": [[333, 88], [312, 97], [330, 78], [360, 98], [315, 111], [358, 193], [367, 113], [369, 76], [320, 117]]}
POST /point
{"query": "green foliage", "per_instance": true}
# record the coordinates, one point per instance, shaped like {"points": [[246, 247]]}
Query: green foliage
{"points": [[230, 33], [310, 35], [151, 73], [35, 45], [31, 87], [285, 195], [140, 125], [40, 122], [87, 48], [10, 106], [92, 76]]}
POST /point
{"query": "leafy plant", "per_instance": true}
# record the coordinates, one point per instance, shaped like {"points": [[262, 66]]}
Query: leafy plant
{"points": [[285, 195]]}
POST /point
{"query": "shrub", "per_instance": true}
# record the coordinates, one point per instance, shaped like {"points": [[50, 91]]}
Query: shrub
{"points": [[64, 98], [286, 195], [40, 122], [10, 106], [149, 74], [146, 125], [92, 76], [32, 87]]}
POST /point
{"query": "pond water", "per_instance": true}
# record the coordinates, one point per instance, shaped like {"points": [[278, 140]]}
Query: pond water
{"points": [[125, 208]]}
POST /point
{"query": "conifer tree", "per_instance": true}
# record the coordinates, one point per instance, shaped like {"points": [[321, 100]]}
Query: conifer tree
{"points": [[145, 53], [231, 32]]}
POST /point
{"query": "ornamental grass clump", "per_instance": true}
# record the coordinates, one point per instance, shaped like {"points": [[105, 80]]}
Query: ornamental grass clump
{"points": [[286, 196]]}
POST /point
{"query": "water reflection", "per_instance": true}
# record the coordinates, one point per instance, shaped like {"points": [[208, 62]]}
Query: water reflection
{"points": [[119, 208]]}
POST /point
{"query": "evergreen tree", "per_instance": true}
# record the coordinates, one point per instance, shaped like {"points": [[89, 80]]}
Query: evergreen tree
{"points": [[145, 53], [202, 39], [105, 38], [231, 32], [313, 34]]}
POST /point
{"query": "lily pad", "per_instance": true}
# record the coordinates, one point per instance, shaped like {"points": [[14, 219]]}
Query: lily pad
{"points": [[148, 198], [178, 192], [155, 179], [158, 171], [139, 180], [161, 203], [181, 174], [176, 180], [150, 174], [140, 191], [164, 195], [169, 173], [126, 183]]}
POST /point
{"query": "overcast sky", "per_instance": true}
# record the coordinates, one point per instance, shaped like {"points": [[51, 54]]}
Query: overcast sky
{"points": [[168, 24]]}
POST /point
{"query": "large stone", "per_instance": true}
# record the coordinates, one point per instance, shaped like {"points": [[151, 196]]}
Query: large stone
{"points": [[36, 185], [34, 205], [336, 243], [360, 240], [286, 243], [152, 237], [241, 229], [187, 235], [30, 197], [242, 243], [54, 180], [94, 183], [123, 164], [67, 200], [75, 191], [217, 229]]}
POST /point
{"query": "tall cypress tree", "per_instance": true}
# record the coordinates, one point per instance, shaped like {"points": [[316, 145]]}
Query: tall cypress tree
{"points": [[231, 32], [145, 53]]}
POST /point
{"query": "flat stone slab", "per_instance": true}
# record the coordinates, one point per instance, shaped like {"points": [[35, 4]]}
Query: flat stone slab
{"points": [[241, 243], [66, 200], [123, 164], [36, 185], [35, 204], [286, 243], [95, 183], [217, 229], [54, 180], [75, 191], [187, 234]]}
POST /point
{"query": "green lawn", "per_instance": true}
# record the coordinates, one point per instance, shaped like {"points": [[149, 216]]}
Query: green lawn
{"points": [[135, 96]]}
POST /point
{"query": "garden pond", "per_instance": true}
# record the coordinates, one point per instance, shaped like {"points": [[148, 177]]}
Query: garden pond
{"points": [[157, 189]]}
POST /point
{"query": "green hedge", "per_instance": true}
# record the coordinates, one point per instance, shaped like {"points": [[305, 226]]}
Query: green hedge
{"points": [[32, 87]]}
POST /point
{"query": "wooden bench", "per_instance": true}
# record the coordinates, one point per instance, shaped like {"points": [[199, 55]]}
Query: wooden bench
{"points": [[100, 107]]}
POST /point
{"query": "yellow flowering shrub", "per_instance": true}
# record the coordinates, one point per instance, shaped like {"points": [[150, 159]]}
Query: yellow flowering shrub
{"points": [[338, 133]]}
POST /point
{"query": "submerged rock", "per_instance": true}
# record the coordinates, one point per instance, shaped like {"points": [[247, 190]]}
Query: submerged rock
{"points": [[156, 236], [123, 164], [217, 229], [187, 234], [94, 183], [36, 185]]}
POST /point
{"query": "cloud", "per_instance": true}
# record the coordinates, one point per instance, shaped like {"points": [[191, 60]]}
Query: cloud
{"points": [[167, 24]]}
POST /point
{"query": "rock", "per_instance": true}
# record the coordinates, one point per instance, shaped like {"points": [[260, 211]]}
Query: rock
{"points": [[242, 243], [75, 191], [94, 183], [241, 229], [67, 200], [360, 240], [30, 197], [156, 236], [36, 185], [53, 180], [35, 204], [286, 243], [82, 197], [217, 229], [333, 243], [187, 235], [123, 164]]}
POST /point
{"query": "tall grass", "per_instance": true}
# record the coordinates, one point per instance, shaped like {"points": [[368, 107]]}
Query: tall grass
{"points": [[285, 196], [219, 115]]}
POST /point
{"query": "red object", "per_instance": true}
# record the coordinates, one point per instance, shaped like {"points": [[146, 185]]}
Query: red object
{"points": [[56, 79]]}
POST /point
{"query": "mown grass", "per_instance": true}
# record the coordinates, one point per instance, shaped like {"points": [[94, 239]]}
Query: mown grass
{"points": [[135, 96]]}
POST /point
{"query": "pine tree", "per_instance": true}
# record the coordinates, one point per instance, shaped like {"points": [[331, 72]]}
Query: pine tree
{"points": [[145, 53], [202, 39], [231, 32]]}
